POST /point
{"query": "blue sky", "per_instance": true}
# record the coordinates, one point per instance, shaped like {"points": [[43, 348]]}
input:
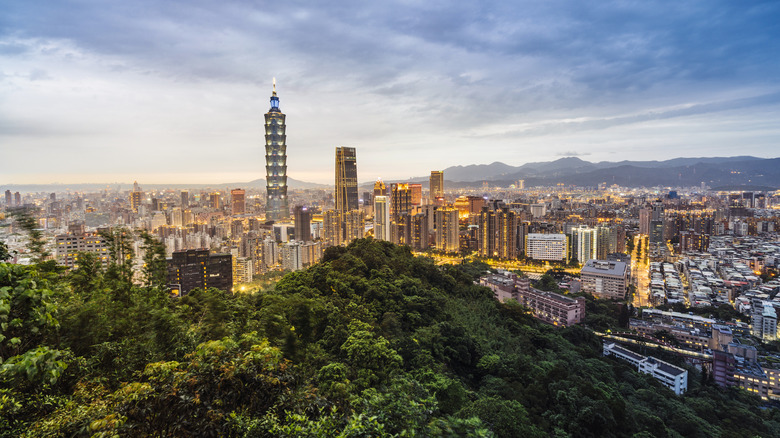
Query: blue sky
{"points": [[175, 91]]}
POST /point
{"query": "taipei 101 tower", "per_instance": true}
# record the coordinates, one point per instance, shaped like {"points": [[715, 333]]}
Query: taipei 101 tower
{"points": [[276, 208]]}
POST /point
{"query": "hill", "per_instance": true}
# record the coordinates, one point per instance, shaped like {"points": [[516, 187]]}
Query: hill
{"points": [[370, 342]]}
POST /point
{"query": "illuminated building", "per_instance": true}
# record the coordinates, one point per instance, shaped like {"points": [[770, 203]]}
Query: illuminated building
{"points": [[196, 268], [331, 228], [436, 185], [238, 201], [401, 199], [214, 200], [498, 229], [420, 232], [136, 197], [546, 246], [68, 246], [381, 218], [447, 229], [346, 180], [416, 193], [605, 279], [354, 225], [276, 207], [379, 188]]}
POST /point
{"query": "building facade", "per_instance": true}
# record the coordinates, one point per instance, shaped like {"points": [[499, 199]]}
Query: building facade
{"points": [[605, 279], [546, 246], [196, 268], [276, 204], [346, 180]]}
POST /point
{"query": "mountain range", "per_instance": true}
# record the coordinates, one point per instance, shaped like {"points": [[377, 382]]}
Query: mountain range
{"points": [[716, 172]]}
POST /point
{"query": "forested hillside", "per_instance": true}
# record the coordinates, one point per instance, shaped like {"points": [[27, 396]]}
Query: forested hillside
{"points": [[371, 342]]}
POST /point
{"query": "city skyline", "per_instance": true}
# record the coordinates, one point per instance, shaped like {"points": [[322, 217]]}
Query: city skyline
{"points": [[169, 94]]}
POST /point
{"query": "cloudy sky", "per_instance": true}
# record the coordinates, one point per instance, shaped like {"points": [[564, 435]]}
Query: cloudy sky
{"points": [[175, 91]]}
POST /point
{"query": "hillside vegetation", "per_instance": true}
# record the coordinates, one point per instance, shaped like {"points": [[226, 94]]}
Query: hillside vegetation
{"points": [[371, 342]]}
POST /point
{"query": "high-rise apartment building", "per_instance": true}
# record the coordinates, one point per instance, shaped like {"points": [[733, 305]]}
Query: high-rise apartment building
{"points": [[401, 199], [354, 225], [276, 205], [437, 185], [302, 216], [215, 199], [416, 194], [331, 228], [447, 230], [346, 180], [18, 199], [498, 233], [381, 218], [8, 198], [238, 201], [136, 197]]}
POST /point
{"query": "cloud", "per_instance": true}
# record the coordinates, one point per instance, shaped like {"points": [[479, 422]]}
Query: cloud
{"points": [[405, 76], [572, 154]]}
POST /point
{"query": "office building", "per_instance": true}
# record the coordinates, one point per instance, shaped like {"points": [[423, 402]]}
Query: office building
{"points": [[381, 218], [238, 201], [196, 268], [346, 180], [436, 185], [673, 377], [447, 229], [302, 217], [185, 199], [605, 279], [551, 247], [276, 204]]}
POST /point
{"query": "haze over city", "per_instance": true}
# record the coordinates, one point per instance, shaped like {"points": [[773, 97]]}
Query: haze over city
{"points": [[176, 92]]}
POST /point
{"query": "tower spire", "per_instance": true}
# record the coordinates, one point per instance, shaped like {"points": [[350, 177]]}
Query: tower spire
{"points": [[274, 87]]}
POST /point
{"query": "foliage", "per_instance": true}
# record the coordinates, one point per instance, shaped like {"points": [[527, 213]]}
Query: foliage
{"points": [[370, 342]]}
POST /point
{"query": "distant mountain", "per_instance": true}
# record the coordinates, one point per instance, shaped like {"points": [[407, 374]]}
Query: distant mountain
{"points": [[713, 171], [92, 187]]}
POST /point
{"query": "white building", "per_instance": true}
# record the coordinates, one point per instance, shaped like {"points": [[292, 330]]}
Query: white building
{"points": [[674, 377], [546, 246], [291, 255], [381, 218]]}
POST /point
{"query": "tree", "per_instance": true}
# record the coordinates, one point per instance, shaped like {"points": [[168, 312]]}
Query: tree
{"points": [[25, 217], [155, 266], [4, 254]]}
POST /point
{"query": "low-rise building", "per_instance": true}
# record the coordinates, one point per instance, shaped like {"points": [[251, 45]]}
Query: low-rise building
{"points": [[196, 268], [69, 245], [674, 377], [605, 279]]}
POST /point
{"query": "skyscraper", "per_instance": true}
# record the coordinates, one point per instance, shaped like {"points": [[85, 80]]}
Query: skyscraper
{"points": [[185, 198], [447, 229], [238, 201], [437, 185], [8, 198], [346, 180], [276, 207], [379, 188], [302, 217]]}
